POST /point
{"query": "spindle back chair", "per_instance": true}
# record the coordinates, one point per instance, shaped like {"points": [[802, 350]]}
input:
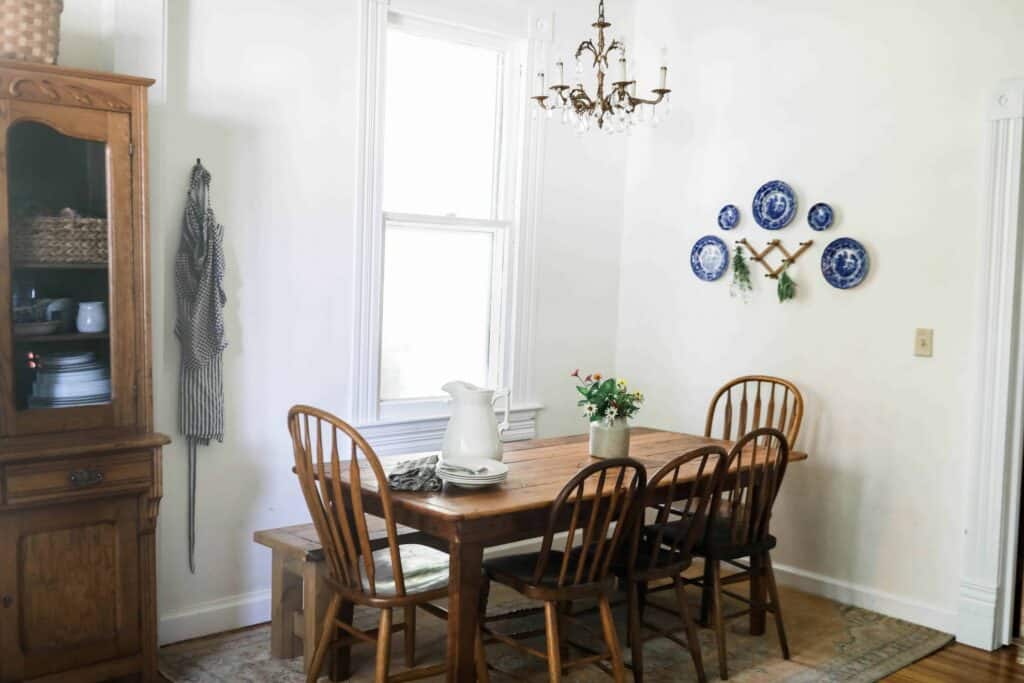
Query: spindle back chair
{"points": [[739, 527], [597, 508], [319, 439], [600, 518], [754, 401], [664, 549]]}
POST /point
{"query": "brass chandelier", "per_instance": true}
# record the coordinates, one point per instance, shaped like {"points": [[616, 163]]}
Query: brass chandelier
{"points": [[614, 112]]}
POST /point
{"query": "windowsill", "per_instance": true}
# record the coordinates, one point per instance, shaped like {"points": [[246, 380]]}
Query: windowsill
{"points": [[416, 435]]}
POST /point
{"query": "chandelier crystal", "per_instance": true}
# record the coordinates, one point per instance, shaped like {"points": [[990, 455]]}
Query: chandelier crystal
{"points": [[614, 112]]}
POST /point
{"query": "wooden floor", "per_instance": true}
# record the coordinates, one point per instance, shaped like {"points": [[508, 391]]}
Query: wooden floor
{"points": [[961, 663]]}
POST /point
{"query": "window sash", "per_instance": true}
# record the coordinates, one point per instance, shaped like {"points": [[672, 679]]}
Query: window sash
{"points": [[499, 230], [509, 55]]}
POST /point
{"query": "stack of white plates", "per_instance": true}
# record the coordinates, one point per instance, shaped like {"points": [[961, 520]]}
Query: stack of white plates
{"points": [[68, 379], [472, 473]]}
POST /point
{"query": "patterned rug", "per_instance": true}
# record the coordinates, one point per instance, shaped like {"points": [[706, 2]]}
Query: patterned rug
{"points": [[828, 641]]}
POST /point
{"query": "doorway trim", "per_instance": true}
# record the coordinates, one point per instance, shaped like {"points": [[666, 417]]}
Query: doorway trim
{"points": [[997, 442]]}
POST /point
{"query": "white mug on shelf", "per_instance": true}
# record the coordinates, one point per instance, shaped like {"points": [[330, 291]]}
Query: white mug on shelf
{"points": [[92, 317]]}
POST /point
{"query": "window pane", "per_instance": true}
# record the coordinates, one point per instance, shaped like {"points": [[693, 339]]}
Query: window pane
{"points": [[437, 309], [439, 152]]}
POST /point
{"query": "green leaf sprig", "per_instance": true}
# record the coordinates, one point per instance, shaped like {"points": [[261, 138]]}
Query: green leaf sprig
{"points": [[741, 283], [787, 287]]}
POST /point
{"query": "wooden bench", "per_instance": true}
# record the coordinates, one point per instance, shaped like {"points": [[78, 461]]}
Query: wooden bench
{"points": [[297, 599]]}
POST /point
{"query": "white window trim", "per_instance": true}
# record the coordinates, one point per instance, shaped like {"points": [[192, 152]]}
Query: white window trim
{"points": [[426, 432]]}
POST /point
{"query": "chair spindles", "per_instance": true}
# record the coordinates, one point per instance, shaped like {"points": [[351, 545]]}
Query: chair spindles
{"points": [[756, 411]]}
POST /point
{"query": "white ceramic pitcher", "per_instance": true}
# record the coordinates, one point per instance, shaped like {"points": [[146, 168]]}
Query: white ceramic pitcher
{"points": [[473, 430]]}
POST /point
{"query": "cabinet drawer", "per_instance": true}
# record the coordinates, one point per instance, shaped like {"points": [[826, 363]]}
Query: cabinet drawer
{"points": [[72, 477]]}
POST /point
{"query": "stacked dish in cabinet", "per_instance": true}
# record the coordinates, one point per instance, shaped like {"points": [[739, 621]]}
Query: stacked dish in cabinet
{"points": [[69, 379]]}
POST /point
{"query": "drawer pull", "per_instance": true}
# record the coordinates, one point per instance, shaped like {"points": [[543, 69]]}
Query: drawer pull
{"points": [[7, 601], [85, 477]]}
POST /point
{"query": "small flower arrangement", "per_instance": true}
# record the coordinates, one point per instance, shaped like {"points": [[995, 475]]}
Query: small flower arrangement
{"points": [[606, 399]]}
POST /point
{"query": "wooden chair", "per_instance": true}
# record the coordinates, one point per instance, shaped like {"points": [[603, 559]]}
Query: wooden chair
{"points": [[665, 548], [598, 506], [752, 402], [396, 576], [738, 528]]}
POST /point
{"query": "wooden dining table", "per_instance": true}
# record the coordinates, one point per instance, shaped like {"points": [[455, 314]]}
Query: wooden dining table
{"points": [[468, 521]]}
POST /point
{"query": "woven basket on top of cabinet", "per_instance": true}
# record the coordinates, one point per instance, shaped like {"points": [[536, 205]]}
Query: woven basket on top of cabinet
{"points": [[60, 239], [30, 29]]}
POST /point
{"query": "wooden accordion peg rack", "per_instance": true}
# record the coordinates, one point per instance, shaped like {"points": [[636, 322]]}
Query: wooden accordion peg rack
{"points": [[775, 245]]}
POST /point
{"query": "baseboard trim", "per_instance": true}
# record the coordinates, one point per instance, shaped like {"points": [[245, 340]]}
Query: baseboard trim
{"points": [[865, 597], [215, 616]]}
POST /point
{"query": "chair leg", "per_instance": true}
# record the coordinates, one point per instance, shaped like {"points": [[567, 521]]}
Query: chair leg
{"points": [[634, 630], [706, 593], [313, 671], [612, 640], [482, 675], [773, 592], [383, 647], [642, 595], [563, 635], [342, 656], [554, 642], [716, 608], [410, 636], [691, 631]]}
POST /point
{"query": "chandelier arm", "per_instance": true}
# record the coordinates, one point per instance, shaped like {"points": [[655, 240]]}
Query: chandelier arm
{"points": [[541, 102], [660, 96], [585, 46]]}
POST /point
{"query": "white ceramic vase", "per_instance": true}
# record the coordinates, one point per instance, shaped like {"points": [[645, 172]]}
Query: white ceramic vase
{"points": [[609, 441], [92, 317]]}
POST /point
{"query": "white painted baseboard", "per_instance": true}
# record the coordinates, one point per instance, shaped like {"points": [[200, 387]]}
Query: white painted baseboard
{"points": [[868, 598], [215, 616]]}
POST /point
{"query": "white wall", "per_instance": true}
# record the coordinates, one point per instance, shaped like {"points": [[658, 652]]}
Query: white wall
{"points": [[878, 108], [264, 91]]}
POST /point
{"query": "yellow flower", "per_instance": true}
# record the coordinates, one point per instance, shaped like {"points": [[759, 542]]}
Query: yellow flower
{"points": [[597, 376], [622, 384]]}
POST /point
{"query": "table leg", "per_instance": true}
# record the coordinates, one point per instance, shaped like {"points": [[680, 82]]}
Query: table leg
{"points": [[466, 565], [758, 595]]}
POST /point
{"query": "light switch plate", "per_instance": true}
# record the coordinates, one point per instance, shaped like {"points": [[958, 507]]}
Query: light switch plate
{"points": [[923, 342]]}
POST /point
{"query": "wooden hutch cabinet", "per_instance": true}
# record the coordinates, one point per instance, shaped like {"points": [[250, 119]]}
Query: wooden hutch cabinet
{"points": [[79, 463]]}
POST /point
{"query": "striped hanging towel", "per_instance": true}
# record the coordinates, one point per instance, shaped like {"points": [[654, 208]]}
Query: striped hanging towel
{"points": [[198, 278]]}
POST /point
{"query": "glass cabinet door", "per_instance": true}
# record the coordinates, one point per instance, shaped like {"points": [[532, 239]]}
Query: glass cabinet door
{"points": [[70, 333]]}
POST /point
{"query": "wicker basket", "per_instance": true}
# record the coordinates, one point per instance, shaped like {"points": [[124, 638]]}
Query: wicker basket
{"points": [[30, 29], [60, 239]]}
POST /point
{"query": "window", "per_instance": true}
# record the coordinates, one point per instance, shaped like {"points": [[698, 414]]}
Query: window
{"points": [[448, 156]]}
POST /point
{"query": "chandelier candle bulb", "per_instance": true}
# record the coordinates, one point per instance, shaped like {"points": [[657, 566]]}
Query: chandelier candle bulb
{"points": [[622, 69], [663, 78], [540, 83], [561, 72]]}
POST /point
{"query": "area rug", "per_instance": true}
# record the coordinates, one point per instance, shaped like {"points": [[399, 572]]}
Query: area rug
{"points": [[828, 641]]}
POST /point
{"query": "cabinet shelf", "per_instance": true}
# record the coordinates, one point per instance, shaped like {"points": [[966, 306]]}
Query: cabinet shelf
{"points": [[48, 338], [25, 265]]}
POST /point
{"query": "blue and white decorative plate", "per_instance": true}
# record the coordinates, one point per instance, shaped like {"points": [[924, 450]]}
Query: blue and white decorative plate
{"points": [[709, 258], [844, 263], [774, 205], [820, 216], [728, 217]]}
